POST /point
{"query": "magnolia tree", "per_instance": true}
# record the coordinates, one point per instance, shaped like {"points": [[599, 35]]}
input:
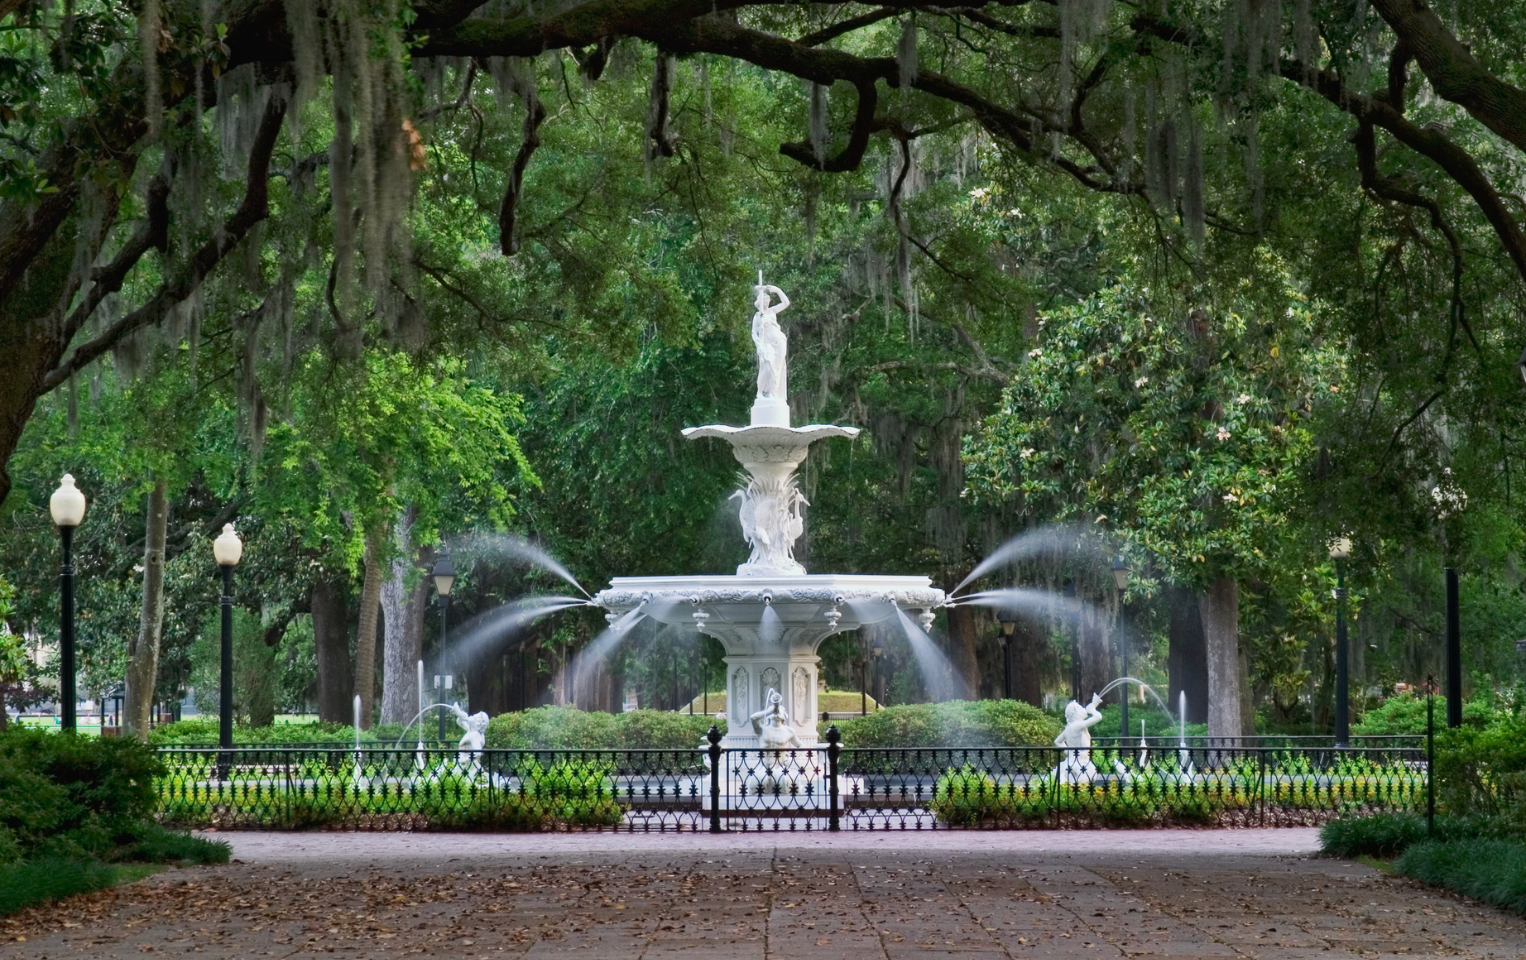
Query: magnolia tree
{"points": [[1186, 435]]}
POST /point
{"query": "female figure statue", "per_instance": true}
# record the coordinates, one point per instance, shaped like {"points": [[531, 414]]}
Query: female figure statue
{"points": [[773, 381]]}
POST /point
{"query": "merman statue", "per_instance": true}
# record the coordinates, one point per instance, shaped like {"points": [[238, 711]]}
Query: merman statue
{"points": [[474, 737], [1076, 740]]}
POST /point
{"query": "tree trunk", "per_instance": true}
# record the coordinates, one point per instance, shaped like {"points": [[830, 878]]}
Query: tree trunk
{"points": [[403, 630], [143, 652], [963, 631], [1027, 637], [1221, 634], [1187, 656], [331, 641], [365, 636]]}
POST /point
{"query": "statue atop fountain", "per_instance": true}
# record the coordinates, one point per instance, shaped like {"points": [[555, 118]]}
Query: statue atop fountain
{"points": [[772, 404]]}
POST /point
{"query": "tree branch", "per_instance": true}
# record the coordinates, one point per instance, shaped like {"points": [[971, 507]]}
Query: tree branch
{"points": [[535, 114], [254, 208], [1455, 74], [1426, 141], [828, 34], [864, 124]]}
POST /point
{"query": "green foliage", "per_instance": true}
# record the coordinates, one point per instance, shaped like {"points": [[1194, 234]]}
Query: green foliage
{"points": [[568, 728], [968, 796], [1491, 870], [1482, 769], [1378, 835], [257, 669], [203, 730], [152, 843], [39, 881], [955, 723], [71, 796], [1405, 713]]}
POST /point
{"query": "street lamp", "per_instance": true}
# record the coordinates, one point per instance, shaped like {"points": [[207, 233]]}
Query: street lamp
{"points": [[877, 648], [444, 574], [1340, 551], [1008, 620], [68, 508], [227, 550], [1121, 582]]}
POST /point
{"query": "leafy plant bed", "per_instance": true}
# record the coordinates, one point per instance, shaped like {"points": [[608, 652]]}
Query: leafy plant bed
{"points": [[1491, 870]]}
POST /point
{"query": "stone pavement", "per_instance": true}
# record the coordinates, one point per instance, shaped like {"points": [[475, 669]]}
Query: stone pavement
{"points": [[913, 896]]}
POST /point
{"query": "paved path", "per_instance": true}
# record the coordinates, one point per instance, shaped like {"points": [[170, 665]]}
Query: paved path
{"points": [[917, 896]]}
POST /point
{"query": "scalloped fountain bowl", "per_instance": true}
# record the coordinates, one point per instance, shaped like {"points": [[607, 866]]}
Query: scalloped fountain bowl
{"points": [[771, 628]]}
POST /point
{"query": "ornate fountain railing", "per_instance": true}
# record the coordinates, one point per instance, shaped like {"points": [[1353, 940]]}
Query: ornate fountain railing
{"points": [[826, 787]]}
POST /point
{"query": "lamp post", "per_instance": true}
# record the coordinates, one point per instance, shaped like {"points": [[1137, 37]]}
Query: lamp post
{"points": [[1008, 620], [1121, 582], [878, 650], [68, 508], [227, 550], [1340, 551], [444, 574]]}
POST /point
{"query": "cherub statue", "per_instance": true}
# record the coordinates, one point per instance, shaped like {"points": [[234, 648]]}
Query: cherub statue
{"points": [[773, 380], [475, 736], [1076, 740]]}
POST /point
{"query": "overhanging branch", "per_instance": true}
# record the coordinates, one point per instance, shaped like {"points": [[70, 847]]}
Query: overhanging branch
{"points": [[254, 208]]}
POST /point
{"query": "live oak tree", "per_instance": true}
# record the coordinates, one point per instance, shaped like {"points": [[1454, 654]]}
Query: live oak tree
{"points": [[107, 167]]}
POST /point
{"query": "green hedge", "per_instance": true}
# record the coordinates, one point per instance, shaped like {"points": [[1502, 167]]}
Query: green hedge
{"points": [[203, 730], [568, 728], [956, 723]]}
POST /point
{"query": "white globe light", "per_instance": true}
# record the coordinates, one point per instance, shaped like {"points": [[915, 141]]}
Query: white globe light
{"points": [[67, 503], [227, 548]]}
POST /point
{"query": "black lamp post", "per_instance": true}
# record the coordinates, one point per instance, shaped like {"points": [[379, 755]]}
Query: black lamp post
{"points": [[68, 508], [1121, 582], [1340, 551], [444, 574], [227, 550], [1008, 620], [877, 649]]}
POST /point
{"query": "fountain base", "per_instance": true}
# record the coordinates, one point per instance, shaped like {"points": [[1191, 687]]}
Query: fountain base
{"points": [[771, 628]]}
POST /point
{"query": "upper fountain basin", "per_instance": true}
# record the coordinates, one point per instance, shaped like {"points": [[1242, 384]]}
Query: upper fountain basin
{"points": [[768, 444]]}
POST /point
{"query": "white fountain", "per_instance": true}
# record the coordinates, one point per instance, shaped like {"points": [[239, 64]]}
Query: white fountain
{"points": [[771, 616]]}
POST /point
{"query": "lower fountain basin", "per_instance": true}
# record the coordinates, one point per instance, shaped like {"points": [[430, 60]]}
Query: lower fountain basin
{"points": [[770, 628]]}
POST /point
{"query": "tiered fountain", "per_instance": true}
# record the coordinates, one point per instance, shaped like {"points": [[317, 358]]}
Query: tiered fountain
{"points": [[771, 616]]}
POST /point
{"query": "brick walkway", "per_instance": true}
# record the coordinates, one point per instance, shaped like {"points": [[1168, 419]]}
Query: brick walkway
{"points": [[1170, 894]]}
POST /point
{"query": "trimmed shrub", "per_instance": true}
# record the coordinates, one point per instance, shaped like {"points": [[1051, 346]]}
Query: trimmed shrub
{"points": [[956, 723], [1490, 870], [203, 730], [568, 728], [69, 796]]}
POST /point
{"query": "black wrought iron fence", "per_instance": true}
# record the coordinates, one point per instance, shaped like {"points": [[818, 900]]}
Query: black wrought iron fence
{"points": [[823, 787]]}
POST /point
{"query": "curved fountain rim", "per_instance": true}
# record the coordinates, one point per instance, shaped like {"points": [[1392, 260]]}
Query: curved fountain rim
{"points": [[905, 591]]}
